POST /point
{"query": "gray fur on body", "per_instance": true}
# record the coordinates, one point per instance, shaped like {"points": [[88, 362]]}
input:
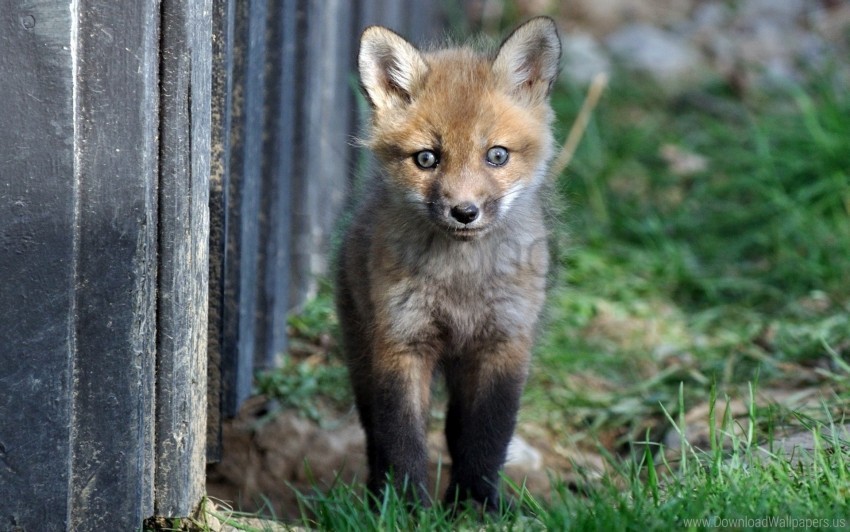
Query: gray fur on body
{"points": [[452, 295]]}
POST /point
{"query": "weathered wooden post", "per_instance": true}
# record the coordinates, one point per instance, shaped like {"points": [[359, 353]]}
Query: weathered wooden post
{"points": [[184, 183], [104, 168]]}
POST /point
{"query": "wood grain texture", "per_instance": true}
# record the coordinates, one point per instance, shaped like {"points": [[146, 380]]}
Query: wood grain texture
{"points": [[223, 13], [111, 482], [37, 262], [77, 259], [242, 190], [282, 72], [181, 377]]}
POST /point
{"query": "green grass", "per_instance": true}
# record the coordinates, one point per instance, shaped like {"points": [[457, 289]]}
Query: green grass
{"points": [[733, 484], [763, 222], [737, 268], [670, 291], [312, 377]]}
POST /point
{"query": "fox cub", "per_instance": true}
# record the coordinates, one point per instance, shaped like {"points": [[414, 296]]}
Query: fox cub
{"points": [[443, 270]]}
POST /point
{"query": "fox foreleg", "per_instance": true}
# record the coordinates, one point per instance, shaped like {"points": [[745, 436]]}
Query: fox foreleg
{"points": [[484, 397]]}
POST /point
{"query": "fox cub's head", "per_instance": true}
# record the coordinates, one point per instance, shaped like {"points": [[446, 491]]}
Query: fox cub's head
{"points": [[462, 136]]}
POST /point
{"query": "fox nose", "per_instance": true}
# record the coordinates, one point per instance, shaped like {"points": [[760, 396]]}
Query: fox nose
{"points": [[465, 212]]}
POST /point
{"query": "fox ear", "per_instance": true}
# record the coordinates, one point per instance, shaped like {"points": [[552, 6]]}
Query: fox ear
{"points": [[527, 62], [391, 69]]}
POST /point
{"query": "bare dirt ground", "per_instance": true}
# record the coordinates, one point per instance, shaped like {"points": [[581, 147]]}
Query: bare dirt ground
{"points": [[267, 459]]}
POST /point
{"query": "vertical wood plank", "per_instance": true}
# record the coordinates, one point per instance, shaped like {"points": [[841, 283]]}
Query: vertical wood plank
{"points": [[321, 189], [299, 265], [183, 256], [223, 13], [243, 197], [37, 227], [115, 149], [277, 172], [424, 21]]}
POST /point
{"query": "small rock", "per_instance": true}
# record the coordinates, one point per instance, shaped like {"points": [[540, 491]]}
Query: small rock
{"points": [[665, 351], [697, 428], [760, 40], [659, 53], [208, 515], [604, 16], [723, 51], [813, 51], [830, 23], [682, 162], [583, 58], [778, 72], [792, 445], [711, 15], [708, 31], [775, 12], [522, 455]]}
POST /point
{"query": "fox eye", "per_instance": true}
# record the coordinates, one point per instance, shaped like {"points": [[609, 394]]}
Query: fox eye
{"points": [[497, 156], [425, 159]]}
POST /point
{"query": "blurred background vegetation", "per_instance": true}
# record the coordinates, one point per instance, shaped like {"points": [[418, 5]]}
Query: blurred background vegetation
{"points": [[703, 241]]}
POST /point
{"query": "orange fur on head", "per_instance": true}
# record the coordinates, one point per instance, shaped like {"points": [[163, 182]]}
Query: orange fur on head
{"points": [[460, 103]]}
